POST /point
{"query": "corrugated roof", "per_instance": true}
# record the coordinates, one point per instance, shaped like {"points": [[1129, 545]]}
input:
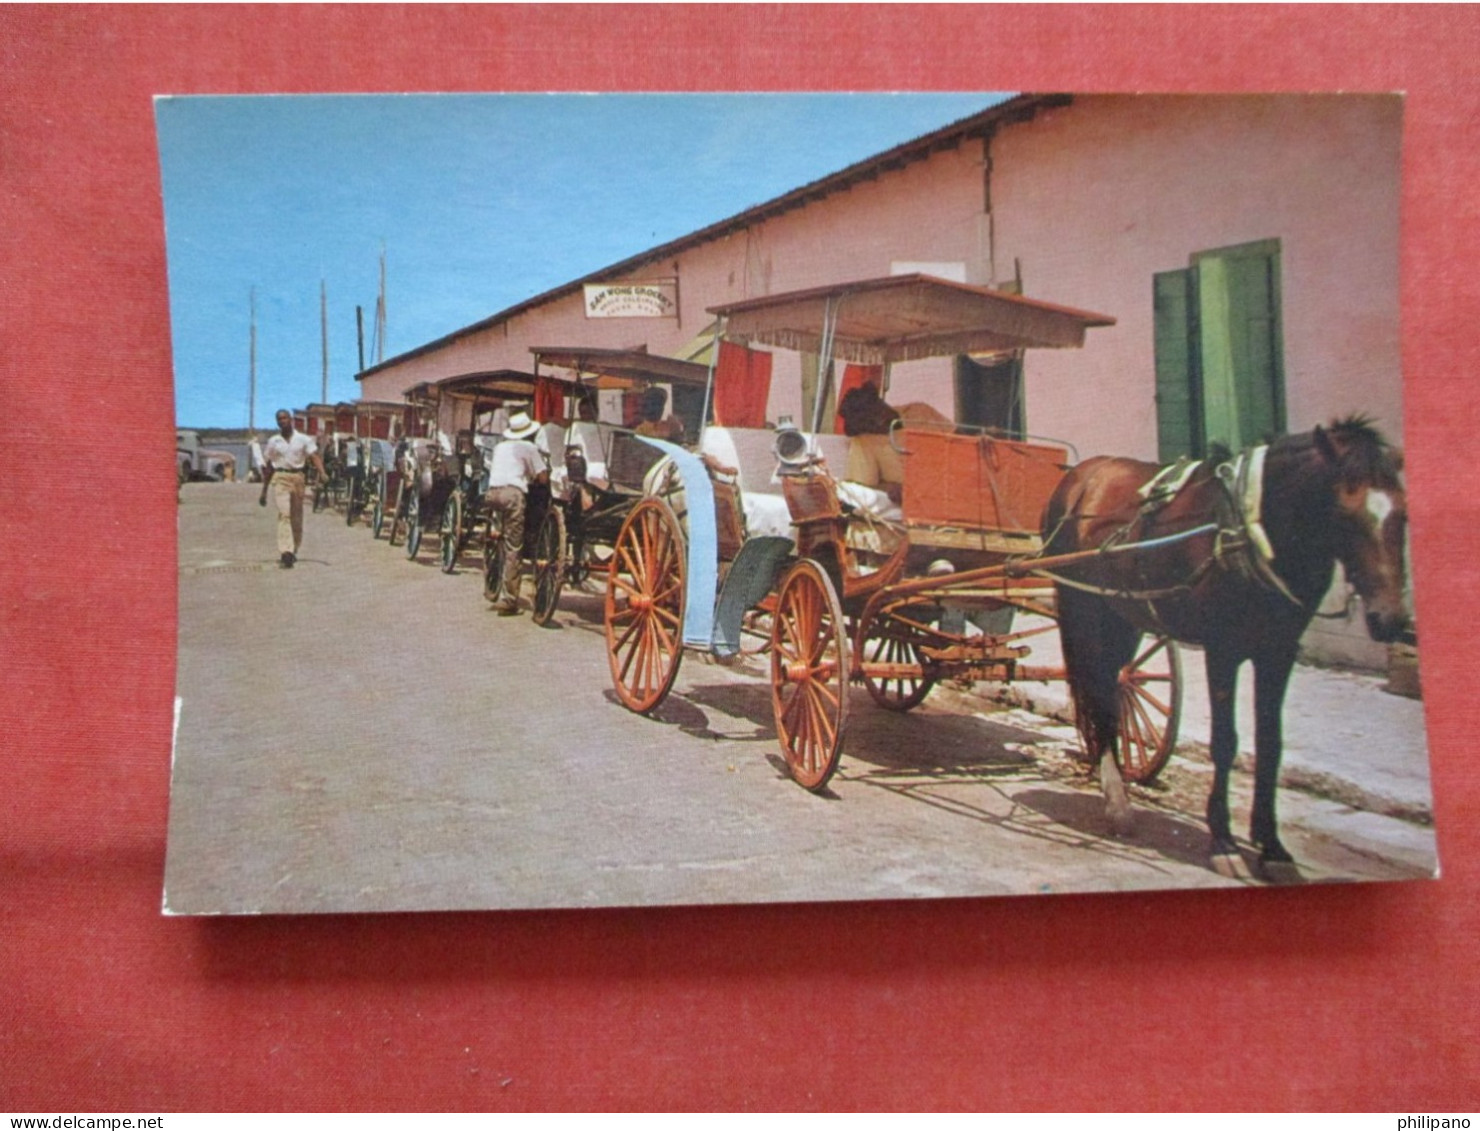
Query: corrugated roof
{"points": [[1020, 108]]}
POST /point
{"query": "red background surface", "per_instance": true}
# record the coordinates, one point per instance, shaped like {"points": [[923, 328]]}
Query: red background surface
{"points": [[1357, 996]]}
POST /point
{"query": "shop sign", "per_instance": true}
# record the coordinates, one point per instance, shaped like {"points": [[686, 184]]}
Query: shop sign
{"points": [[632, 300]]}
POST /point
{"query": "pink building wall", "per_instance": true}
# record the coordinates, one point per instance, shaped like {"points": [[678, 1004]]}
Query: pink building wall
{"points": [[1097, 197]]}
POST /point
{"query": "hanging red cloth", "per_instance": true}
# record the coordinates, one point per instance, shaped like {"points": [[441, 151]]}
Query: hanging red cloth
{"points": [[855, 376], [742, 386], [549, 400]]}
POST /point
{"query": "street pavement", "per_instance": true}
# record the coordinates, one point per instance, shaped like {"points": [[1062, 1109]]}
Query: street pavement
{"points": [[1346, 735], [362, 733]]}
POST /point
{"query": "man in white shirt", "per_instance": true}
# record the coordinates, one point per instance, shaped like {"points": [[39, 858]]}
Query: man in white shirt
{"points": [[516, 464], [287, 455]]}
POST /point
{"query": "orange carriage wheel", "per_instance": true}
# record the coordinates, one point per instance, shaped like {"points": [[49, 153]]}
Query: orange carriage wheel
{"points": [[645, 605], [809, 673], [882, 639], [1150, 710]]}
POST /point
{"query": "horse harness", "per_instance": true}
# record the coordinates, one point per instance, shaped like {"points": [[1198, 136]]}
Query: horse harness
{"points": [[1240, 543]]}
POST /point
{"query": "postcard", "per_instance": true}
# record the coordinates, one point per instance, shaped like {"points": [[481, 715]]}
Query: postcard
{"points": [[633, 500]]}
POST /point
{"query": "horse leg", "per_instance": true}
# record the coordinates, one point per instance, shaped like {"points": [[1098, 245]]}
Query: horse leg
{"points": [[1222, 668], [1272, 669]]}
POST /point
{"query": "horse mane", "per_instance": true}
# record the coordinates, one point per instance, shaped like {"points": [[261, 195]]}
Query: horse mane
{"points": [[1363, 454]]}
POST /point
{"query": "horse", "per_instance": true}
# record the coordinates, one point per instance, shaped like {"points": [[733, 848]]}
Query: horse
{"points": [[1233, 555]]}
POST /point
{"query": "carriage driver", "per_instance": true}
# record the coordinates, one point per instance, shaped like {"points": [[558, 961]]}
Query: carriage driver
{"points": [[515, 465], [286, 456], [872, 458]]}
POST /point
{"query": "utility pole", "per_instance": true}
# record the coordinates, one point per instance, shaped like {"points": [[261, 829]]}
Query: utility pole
{"points": [[324, 335], [360, 334]]}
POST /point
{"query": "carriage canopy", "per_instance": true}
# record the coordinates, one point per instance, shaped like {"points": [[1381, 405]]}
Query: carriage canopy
{"points": [[620, 369], [903, 318]]}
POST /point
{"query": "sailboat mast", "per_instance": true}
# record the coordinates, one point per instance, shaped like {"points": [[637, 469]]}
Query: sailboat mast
{"points": [[324, 337], [380, 313], [252, 364]]}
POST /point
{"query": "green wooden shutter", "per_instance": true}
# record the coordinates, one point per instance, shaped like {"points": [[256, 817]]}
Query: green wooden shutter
{"points": [[1177, 433], [1253, 318], [1240, 349]]}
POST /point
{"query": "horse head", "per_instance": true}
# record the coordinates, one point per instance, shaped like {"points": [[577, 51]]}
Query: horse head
{"points": [[1371, 514]]}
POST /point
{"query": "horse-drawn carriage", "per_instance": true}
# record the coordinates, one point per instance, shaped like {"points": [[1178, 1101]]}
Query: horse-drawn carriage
{"points": [[894, 593], [1234, 556], [437, 475], [599, 469], [364, 454]]}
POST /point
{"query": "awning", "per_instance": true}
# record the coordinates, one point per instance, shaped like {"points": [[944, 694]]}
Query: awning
{"points": [[700, 348], [424, 394], [904, 317]]}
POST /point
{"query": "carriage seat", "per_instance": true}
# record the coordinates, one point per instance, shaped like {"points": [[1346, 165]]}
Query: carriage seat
{"points": [[582, 434], [751, 452]]}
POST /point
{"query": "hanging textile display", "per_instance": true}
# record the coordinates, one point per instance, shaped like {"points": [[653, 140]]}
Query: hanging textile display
{"points": [[549, 400], [742, 386]]}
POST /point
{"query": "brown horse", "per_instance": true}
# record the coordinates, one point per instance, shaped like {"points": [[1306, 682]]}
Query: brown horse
{"points": [[1234, 556]]}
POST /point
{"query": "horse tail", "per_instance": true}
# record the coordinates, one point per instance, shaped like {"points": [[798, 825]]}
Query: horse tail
{"points": [[1095, 640], [1090, 635]]}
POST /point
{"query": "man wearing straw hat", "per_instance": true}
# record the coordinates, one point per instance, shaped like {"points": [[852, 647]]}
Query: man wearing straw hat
{"points": [[516, 464]]}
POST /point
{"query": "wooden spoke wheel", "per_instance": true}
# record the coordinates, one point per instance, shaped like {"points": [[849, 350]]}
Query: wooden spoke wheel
{"points": [[493, 557], [377, 510], [578, 562], [577, 567], [549, 564], [884, 640], [398, 515], [645, 605], [413, 523], [1150, 710], [809, 673], [354, 499], [451, 532]]}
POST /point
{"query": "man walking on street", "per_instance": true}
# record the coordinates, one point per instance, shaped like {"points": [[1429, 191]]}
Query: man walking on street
{"points": [[516, 464], [286, 456]]}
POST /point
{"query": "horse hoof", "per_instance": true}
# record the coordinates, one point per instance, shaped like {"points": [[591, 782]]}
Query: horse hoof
{"points": [[1230, 865], [1122, 821], [1277, 871]]}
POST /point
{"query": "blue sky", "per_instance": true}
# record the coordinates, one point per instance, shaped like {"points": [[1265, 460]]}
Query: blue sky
{"points": [[478, 201]]}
